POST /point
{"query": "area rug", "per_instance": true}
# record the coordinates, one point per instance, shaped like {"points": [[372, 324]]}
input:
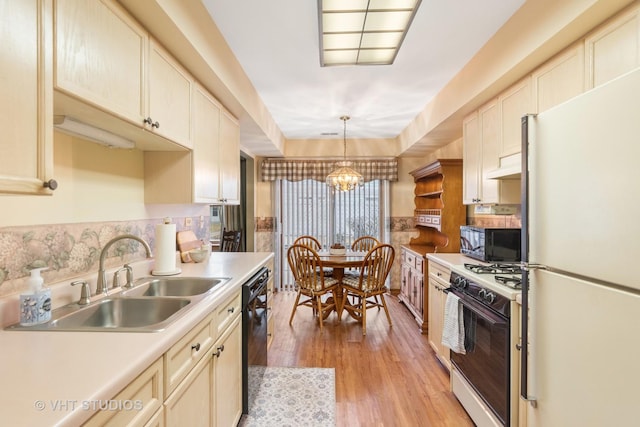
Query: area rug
{"points": [[293, 397]]}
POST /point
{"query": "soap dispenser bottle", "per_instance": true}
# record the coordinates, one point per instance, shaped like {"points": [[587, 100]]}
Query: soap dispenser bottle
{"points": [[35, 304]]}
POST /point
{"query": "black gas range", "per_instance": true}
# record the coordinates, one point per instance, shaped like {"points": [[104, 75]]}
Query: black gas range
{"points": [[485, 293]]}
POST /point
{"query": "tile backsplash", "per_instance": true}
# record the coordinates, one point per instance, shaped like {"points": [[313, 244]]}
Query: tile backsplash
{"points": [[73, 250]]}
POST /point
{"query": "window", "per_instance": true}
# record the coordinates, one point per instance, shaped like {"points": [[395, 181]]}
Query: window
{"points": [[310, 207]]}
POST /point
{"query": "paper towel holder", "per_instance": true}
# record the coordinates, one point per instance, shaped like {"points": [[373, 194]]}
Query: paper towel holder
{"points": [[172, 270]]}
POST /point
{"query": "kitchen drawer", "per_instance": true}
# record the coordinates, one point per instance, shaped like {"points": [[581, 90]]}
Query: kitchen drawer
{"points": [[410, 259], [186, 353], [439, 272], [227, 311], [418, 262], [144, 395]]}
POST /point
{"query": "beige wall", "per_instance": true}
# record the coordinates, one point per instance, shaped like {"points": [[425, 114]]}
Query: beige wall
{"points": [[95, 184], [334, 148]]}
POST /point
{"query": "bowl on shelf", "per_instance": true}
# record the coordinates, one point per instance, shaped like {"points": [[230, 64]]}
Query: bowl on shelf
{"points": [[198, 255]]}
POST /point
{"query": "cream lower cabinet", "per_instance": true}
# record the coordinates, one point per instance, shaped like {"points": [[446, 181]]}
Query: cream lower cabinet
{"points": [[143, 397], [227, 376], [197, 382], [211, 392], [191, 404], [26, 97], [438, 282], [211, 395], [412, 285], [270, 296]]}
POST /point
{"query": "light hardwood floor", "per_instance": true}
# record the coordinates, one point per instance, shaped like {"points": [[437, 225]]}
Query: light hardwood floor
{"points": [[391, 377]]}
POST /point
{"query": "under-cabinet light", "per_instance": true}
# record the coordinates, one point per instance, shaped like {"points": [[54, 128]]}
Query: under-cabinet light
{"points": [[75, 128]]}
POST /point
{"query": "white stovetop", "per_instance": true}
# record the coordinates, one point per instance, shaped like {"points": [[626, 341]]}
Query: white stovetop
{"points": [[487, 280], [48, 376]]}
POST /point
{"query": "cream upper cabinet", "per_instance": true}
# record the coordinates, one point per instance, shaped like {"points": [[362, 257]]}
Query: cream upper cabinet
{"points": [[514, 103], [229, 156], [471, 149], [489, 117], [26, 152], [100, 56], [614, 48], [482, 146], [210, 172], [170, 89], [560, 79], [206, 142], [106, 62]]}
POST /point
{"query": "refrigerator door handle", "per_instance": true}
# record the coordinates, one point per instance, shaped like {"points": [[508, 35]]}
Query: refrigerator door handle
{"points": [[529, 267], [524, 182]]}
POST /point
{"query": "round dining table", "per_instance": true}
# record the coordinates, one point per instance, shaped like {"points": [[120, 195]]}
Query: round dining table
{"points": [[339, 263]]}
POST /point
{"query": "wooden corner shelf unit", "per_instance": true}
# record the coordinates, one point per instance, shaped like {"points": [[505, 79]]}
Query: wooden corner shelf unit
{"points": [[438, 215]]}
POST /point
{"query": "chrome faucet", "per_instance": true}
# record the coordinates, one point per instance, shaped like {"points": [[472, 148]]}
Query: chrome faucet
{"points": [[102, 286]]}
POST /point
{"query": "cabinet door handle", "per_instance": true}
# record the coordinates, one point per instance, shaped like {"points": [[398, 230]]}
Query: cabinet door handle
{"points": [[231, 310], [196, 347], [219, 351], [52, 184], [150, 122]]}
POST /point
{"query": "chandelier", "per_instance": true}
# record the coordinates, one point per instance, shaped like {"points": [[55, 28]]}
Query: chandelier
{"points": [[344, 178]]}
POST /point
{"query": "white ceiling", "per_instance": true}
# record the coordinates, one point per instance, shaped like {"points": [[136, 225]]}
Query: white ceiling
{"points": [[276, 42]]}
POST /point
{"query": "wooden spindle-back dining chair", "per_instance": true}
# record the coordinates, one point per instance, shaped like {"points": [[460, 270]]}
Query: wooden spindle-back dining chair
{"points": [[369, 284], [312, 285], [230, 241], [364, 244], [314, 244]]}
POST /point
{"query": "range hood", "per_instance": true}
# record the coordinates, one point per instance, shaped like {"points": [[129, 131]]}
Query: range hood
{"points": [[510, 168]]}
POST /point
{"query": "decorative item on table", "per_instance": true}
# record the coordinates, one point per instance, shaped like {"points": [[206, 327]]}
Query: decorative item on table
{"points": [[337, 249]]}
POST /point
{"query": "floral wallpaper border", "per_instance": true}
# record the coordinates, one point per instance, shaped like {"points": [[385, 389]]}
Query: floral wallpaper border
{"points": [[72, 250]]}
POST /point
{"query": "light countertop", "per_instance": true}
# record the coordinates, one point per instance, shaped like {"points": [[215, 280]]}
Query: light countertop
{"points": [[49, 378], [449, 260]]}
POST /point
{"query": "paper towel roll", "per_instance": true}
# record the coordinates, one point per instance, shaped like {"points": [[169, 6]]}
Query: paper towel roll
{"points": [[165, 253]]}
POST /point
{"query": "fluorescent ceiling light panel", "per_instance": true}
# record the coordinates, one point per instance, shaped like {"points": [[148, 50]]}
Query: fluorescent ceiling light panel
{"points": [[91, 133], [363, 32]]}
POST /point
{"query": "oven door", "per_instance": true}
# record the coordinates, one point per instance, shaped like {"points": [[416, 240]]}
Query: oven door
{"points": [[485, 366]]}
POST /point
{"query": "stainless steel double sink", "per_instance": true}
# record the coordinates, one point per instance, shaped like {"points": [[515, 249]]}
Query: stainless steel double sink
{"points": [[150, 305]]}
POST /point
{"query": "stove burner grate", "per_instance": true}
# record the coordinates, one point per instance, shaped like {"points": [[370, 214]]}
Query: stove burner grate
{"points": [[494, 268], [514, 282]]}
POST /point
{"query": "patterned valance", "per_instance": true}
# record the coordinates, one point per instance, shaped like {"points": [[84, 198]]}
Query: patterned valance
{"points": [[297, 170]]}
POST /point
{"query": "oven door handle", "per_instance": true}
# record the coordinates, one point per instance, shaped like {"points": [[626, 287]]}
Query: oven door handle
{"points": [[489, 316]]}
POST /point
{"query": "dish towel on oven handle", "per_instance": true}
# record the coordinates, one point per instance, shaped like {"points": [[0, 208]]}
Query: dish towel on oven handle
{"points": [[453, 329]]}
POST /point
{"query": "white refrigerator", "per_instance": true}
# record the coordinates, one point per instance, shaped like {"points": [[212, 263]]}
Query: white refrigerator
{"points": [[581, 242]]}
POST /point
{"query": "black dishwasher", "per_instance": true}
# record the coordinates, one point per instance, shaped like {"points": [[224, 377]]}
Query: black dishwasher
{"points": [[254, 335]]}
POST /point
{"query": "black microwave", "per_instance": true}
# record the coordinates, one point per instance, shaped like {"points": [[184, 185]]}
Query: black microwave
{"points": [[490, 244]]}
